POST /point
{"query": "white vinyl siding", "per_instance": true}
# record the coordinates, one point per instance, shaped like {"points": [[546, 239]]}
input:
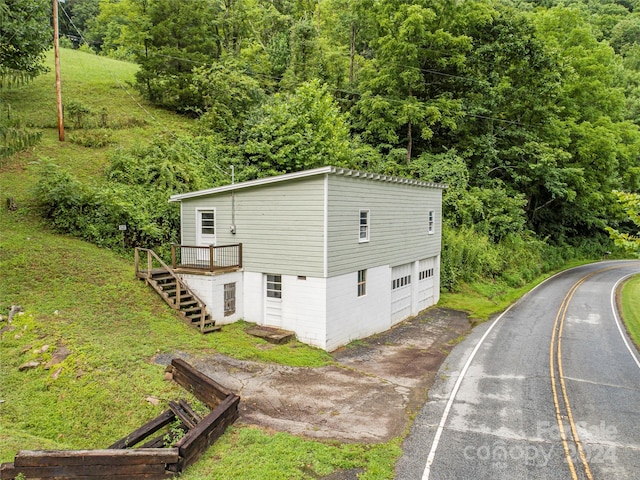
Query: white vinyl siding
{"points": [[281, 226], [395, 211]]}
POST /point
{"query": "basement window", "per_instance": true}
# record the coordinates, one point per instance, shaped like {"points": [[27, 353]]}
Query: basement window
{"points": [[362, 283]]}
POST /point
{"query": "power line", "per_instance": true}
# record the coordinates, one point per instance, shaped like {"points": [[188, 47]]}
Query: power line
{"points": [[272, 77], [145, 110]]}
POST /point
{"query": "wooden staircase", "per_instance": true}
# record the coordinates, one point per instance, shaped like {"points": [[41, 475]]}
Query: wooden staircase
{"points": [[175, 292]]}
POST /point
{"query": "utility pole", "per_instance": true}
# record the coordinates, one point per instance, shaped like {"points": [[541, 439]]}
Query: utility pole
{"points": [[56, 49]]}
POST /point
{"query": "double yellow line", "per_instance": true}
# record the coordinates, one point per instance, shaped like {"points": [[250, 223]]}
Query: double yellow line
{"points": [[557, 377]]}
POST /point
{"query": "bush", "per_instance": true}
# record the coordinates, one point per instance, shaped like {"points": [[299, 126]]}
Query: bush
{"points": [[91, 138], [95, 213], [470, 256]]}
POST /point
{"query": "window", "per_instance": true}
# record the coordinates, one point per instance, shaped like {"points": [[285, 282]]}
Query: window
{"points": [[424, 274], [208, 223], [229, 299], [431, 222], [362, 283], [401, 282], [274, 286], [364, 226]]}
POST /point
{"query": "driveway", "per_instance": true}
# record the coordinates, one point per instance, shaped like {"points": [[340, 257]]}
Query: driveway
{"points": [[367, 396]]}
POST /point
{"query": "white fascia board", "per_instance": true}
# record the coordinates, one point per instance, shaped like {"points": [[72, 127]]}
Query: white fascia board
{"points": [[304, 174], [252, 183]]}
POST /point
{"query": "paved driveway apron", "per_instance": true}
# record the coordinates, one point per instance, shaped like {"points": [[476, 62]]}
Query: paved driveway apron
{"points": [[549, 390]]}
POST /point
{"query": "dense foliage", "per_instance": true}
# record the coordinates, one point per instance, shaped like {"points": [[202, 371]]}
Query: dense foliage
{"points": [[628, 236], [22, 47], [527, 110]]}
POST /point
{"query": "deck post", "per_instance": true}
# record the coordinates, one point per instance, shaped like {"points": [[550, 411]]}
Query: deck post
{"points": [[173, 256], [211, 257], [240, 255], [149, 264], [178, 289]]}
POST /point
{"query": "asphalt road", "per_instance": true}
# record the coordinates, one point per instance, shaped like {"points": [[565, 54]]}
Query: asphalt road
{"points": [[548, 390]]}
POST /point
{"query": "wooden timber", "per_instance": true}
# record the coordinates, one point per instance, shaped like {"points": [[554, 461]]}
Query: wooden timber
{"points": [[205, 389], [150, 461], [194, 443], [145, 431], [74, 464]]}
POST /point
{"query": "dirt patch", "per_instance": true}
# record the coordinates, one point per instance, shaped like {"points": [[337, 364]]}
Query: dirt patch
{"points": [[368, 396]]}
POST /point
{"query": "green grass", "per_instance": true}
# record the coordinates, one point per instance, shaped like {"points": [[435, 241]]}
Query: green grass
{"points": [[284, 457], [631, 308], [88, 299], [481, 300]]}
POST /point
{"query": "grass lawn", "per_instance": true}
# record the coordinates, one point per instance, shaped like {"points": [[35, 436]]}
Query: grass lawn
{"points": [[631, 308]]}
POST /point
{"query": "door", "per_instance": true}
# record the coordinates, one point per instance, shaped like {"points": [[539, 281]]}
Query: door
{"points": [[401, 292], [426, 283], [273, 300], [205, 232]]}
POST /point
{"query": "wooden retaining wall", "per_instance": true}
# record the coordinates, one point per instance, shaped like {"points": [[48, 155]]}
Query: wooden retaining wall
{"points": [[149, 460]]}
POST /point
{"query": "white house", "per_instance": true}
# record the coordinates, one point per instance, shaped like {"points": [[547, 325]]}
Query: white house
{"points": [[331, 254]]}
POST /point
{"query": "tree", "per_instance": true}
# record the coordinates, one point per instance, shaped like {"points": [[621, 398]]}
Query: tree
{"points": [[295, 132], [76, 17], [24, 28], [227, 95], [629, 240], [22, 47], [602, 145], [403, 90]]}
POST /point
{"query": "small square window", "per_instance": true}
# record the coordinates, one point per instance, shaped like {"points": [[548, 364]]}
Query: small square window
{"points": [[432, 222], [362, 283], [274, 286], [364, 226]]}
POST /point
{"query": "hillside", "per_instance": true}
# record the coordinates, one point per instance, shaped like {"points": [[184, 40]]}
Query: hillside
{"points": [[87, 300]]}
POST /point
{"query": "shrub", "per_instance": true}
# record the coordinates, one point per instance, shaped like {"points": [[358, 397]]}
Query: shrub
{"points": [[91, 138], [95, 213], [78, 112]]}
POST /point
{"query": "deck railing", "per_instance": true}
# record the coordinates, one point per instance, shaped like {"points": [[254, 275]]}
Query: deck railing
{"points": [[153, 262], [211, 258]]}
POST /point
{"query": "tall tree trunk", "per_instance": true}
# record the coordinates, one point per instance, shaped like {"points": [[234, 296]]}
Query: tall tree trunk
{"points": [[409, 143], [409, 137], [352, 52]]}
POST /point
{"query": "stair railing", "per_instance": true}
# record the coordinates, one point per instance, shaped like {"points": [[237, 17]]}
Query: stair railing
{"points": [[151, 256]]}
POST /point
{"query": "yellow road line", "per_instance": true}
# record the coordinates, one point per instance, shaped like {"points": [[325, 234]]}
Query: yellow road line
{"points": [[555, 353]]}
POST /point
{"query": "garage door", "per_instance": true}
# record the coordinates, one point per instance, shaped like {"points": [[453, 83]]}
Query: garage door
{"points": [[400, 292], [426, 283]]}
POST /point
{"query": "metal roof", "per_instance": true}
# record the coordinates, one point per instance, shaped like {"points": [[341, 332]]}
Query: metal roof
{"points": [[304, 174]]}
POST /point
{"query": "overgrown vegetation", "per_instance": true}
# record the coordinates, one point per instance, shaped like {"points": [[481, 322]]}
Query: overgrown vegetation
{"points": [[506, 117], [631, 308]]}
